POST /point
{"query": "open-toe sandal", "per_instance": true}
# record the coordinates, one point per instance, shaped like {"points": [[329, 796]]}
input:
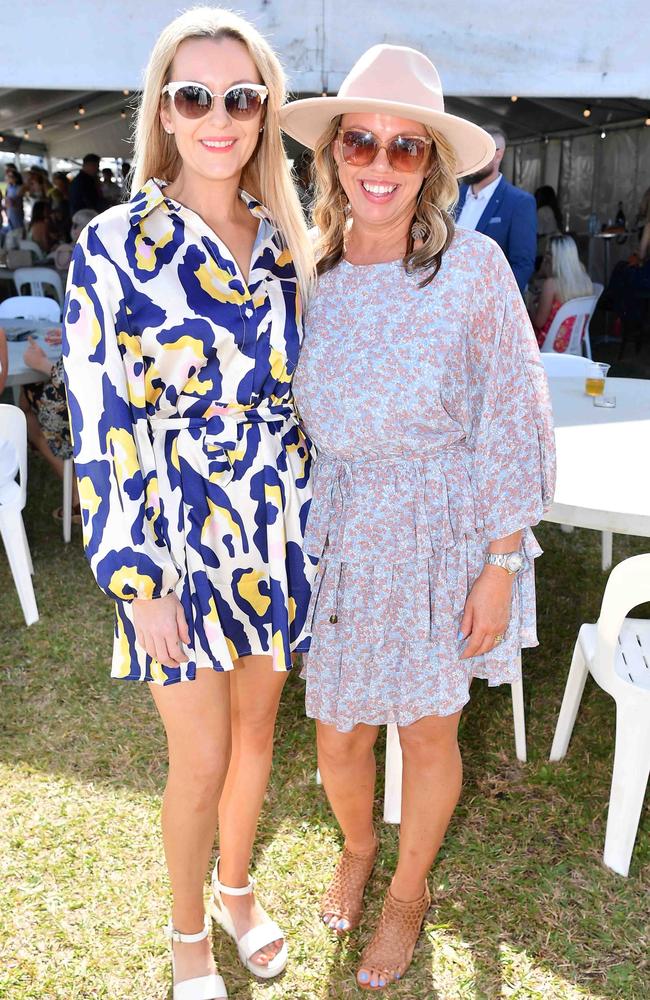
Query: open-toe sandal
{"points": [[388, 955]]}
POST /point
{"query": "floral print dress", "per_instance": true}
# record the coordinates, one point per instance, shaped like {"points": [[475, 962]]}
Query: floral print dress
{"points": [[430, 412], [194, 475]]}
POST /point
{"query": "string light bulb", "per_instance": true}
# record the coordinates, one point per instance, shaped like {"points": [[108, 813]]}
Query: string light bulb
{"points": [[126, 92], [603, 134], [26, 134], [647, 121], [514, 98], [39, 126], [123, 114], [77, 126], [82, 110], [587, 112], [2, 138]]}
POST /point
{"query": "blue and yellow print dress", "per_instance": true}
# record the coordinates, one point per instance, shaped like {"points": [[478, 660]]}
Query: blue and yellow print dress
{"points": [[194, 475]]}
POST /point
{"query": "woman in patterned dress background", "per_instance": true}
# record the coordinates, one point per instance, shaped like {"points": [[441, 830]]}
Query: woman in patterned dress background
{"points": [[182, 331], [435, 455]]}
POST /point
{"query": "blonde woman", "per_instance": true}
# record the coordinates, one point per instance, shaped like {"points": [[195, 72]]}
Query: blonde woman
{"points": [[182, 331], [564, 278], [435, 455]]}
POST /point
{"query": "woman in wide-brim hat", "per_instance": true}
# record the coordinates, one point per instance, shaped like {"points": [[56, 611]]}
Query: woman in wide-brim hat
{"points": [[421, 385]]}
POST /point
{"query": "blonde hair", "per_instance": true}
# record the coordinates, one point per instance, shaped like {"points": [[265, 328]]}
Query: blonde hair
{"points": [[437, 196], [266, 176], [571, 278]]}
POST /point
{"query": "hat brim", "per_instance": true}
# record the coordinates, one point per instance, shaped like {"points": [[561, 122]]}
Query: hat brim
{"points": [[307, 119]]}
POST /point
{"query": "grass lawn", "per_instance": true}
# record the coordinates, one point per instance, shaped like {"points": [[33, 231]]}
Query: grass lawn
{"points": [[523, 907]]}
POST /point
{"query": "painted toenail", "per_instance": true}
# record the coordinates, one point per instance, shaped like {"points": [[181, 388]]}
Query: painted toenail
{"points": [[363, 977], [382, 981], [341, 925]]}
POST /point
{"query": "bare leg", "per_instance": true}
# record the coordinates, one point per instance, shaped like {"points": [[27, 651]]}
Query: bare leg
{"points": [[196, 716], [255, 690], [431, 785], [348, 770]]}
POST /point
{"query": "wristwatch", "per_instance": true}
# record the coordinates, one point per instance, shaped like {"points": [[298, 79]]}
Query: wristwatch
{"points": [[511, 562]]}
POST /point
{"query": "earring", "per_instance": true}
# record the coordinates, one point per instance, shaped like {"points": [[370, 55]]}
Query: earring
{"points": [[419, 231], [262, 129]]}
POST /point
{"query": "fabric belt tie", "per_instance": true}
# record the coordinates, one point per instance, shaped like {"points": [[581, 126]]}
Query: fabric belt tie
{"points": [[221, 433]]}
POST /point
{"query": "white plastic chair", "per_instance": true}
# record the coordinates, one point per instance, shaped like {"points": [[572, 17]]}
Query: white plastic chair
{"points": [[566, 365], [616, 652], [13, 238], [37, 278], [393, 772], [68, 473], [33, 248], [13, 496], [30, 307], [583, 309]]}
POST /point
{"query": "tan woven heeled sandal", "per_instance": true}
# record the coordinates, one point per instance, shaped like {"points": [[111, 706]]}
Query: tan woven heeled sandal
{"points": [[344, 897], [390, 951]]}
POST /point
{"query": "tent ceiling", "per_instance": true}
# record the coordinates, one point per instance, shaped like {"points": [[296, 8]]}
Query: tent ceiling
{"points": [[103, 130]]}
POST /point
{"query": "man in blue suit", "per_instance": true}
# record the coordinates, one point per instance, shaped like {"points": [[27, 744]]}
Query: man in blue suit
{"points": [[489, 204]]}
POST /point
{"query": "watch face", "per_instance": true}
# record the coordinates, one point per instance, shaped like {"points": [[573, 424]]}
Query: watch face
{"points": [[515, 562]]}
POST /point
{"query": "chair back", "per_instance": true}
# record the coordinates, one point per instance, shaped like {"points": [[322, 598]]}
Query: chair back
{"points": [[30, 307], [13, 428], [567, 365], [582, 309], [13, 238], [33, 247], [37, 278], [628, 585]]}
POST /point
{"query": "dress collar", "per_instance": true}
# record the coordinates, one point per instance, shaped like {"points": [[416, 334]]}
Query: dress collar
{"points": [[151, 196]]}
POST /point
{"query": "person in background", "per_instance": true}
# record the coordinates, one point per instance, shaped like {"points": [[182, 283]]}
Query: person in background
{"points": [[549, 218], [85, 191], [110, 191], [490, 205], [40, 230], [16, 190], [564, 278], [46, 410], [38, 184], [126, 179], [63, 253], [60, 202]]}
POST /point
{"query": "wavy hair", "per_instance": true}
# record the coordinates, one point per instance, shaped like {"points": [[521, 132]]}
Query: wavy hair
{"points": [[432, 211], [266, 176]]}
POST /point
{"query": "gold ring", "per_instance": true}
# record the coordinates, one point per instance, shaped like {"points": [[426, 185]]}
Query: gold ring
{"points": [[498, 639]]}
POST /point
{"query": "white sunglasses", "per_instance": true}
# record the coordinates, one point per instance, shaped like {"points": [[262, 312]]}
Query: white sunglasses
{"points": [[194, 100]]}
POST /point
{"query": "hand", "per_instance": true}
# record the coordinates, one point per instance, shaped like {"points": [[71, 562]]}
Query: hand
{"points": [[160, 627], [36, 358], [53, 336], [487, 611]]}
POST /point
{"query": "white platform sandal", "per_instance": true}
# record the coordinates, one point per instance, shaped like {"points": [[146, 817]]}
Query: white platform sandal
{"points": [[210, 987], [254, 939]]}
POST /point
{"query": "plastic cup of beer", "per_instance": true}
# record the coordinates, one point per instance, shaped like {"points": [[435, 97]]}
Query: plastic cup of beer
{"points": [[595, 380]]}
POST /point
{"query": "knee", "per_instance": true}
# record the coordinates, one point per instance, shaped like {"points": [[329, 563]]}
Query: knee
{"points": [[201, 774], [253, 728], [431, 739], [337, 749]]}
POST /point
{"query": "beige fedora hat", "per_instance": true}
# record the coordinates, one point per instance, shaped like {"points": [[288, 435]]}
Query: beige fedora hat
{"points": [[392, 80]]}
